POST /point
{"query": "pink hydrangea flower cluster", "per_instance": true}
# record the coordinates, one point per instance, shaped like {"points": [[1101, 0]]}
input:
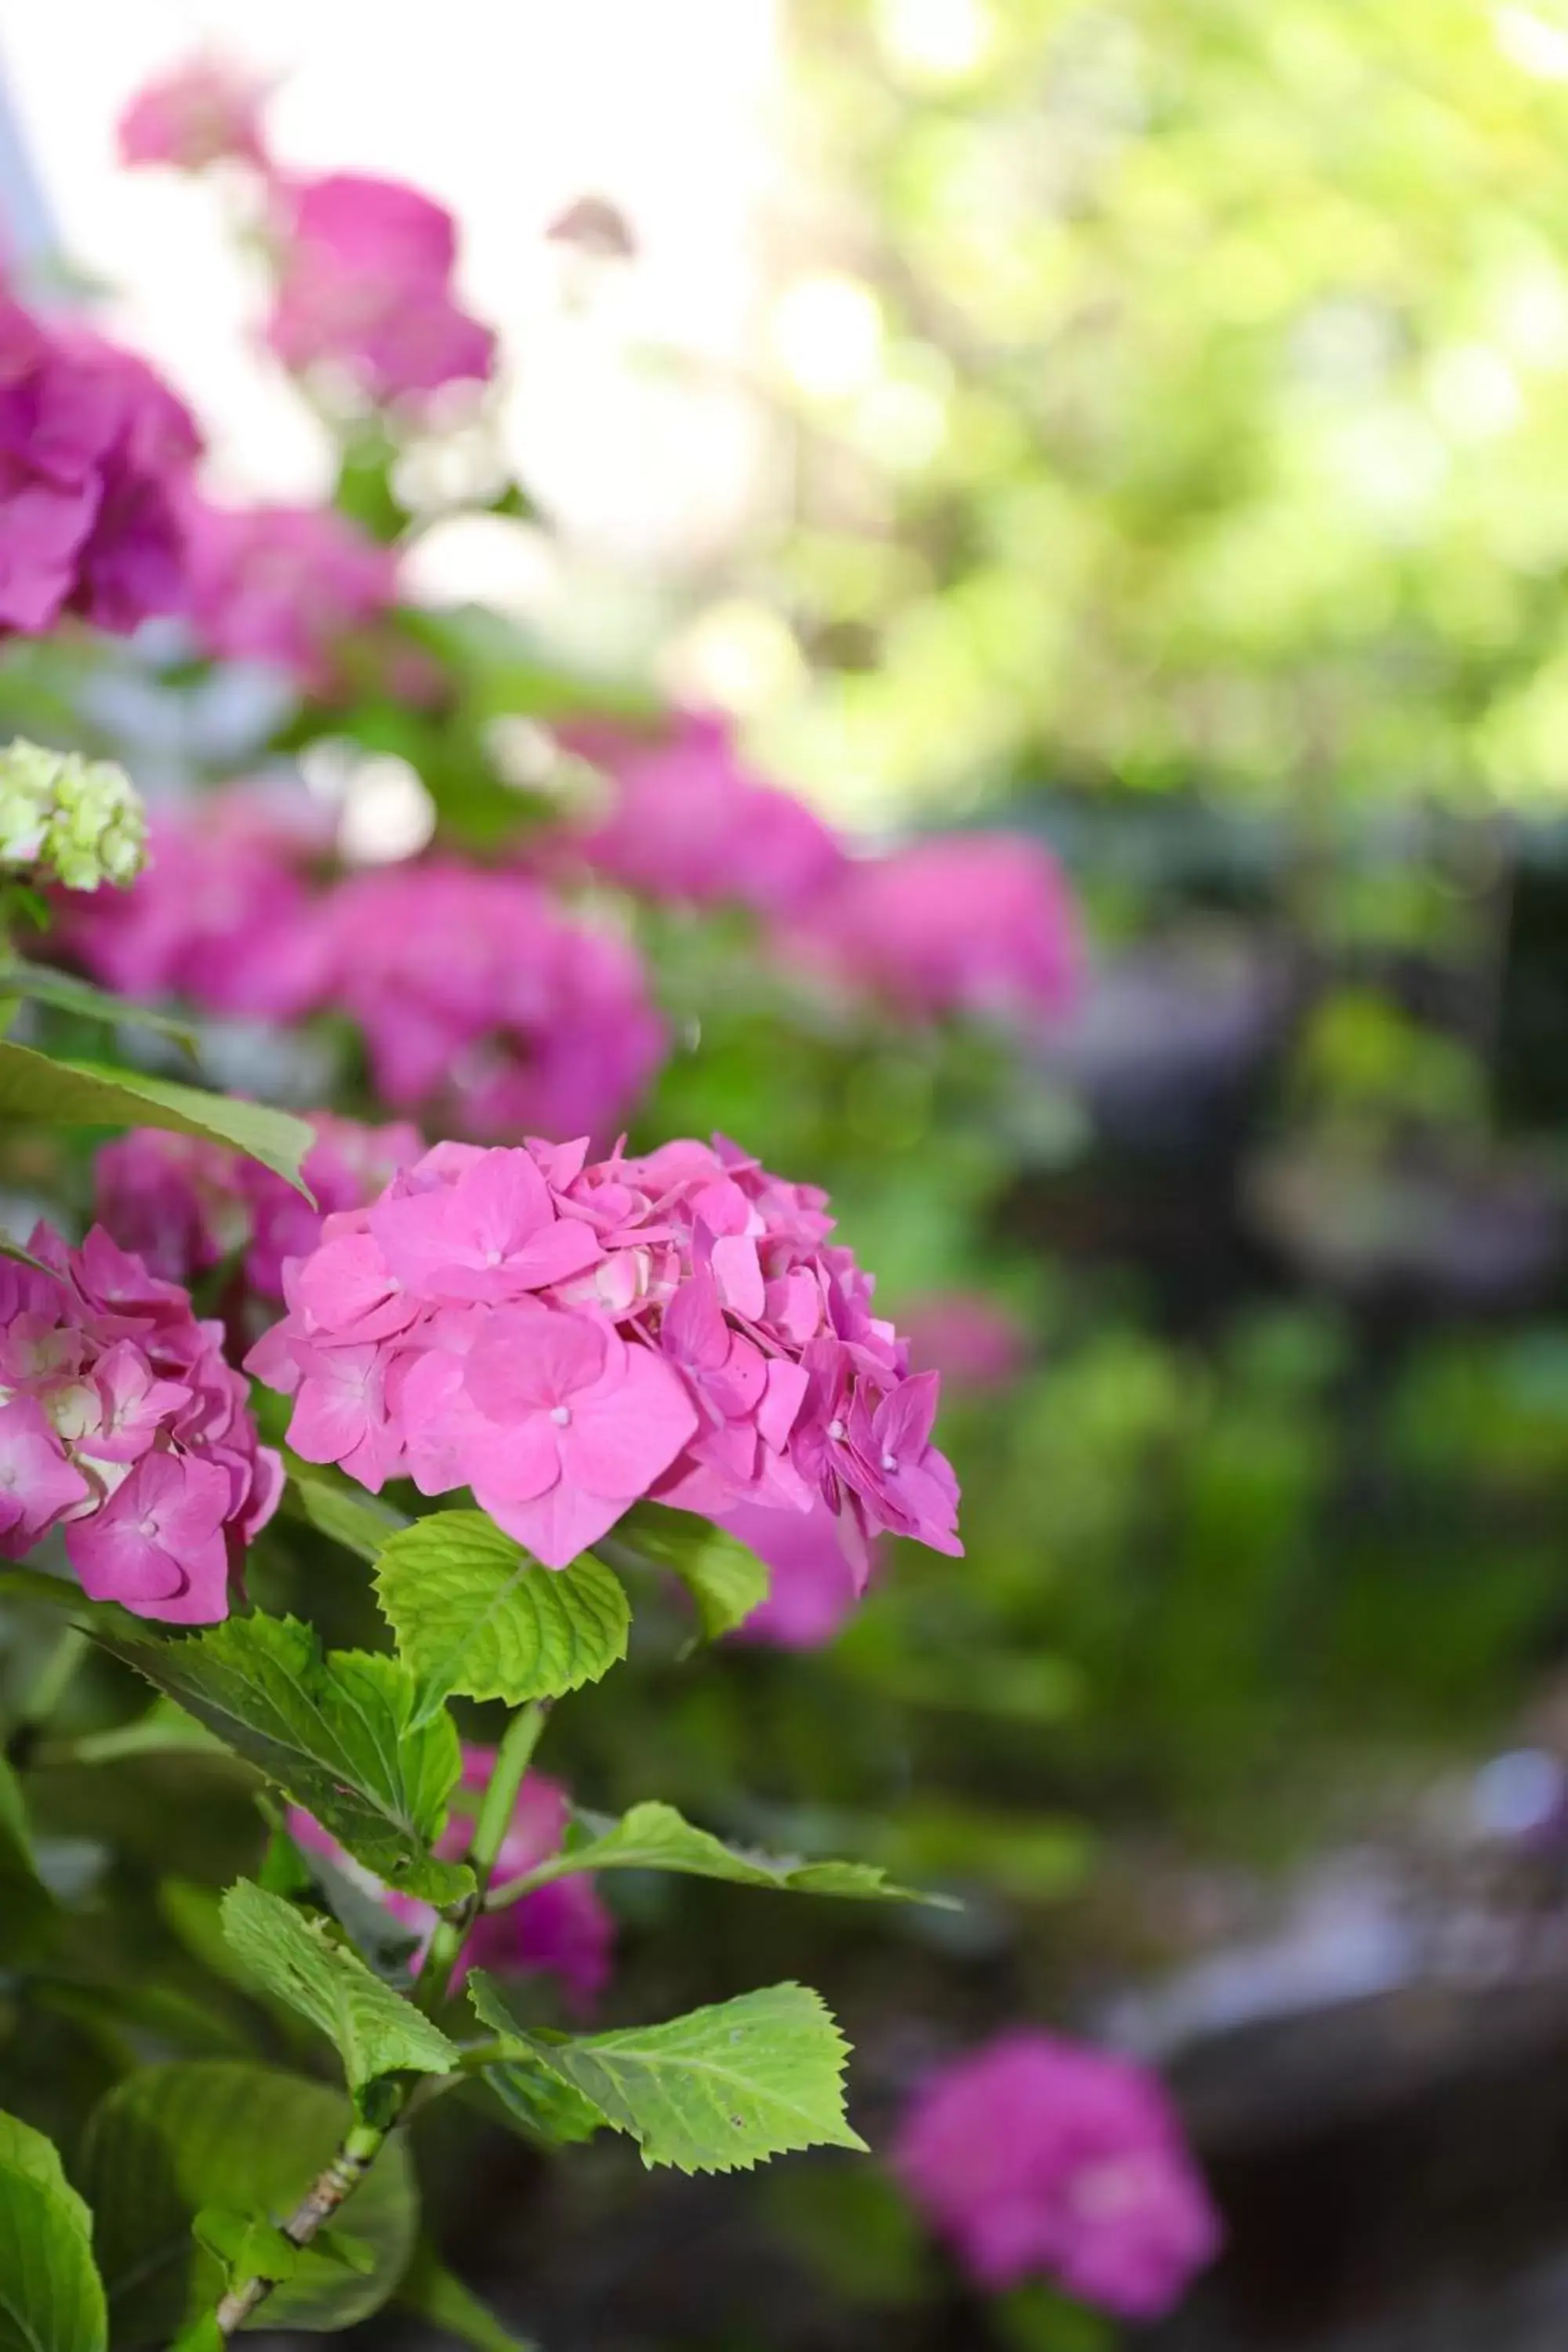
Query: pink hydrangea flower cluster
{"points": [[185, 1204], [121, 1424], [563, 1930], [691, 823], [1039, 2157], [366, 286], [284, 585], [94, 452], [566, 1336], [222, 916], [967, 922], [481, 995], [206, 111], [484, 1000]]}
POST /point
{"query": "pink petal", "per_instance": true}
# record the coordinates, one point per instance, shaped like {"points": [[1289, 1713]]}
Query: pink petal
{"points": [[534, 1357], [556, 1526], [623, 1434]]}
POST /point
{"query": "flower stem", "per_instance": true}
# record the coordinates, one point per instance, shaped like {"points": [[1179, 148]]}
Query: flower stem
{"points": [[314, 2210], [494, 1819]]}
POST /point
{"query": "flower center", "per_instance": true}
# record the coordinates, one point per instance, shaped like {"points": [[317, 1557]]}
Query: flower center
{"points": [[837, 1431], [561, 1414], [889, 1460]]}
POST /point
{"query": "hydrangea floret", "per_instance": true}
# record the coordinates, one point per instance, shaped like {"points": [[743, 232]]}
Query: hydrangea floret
{"points": [[67, 820], [567, 1337], [121, 1424]]}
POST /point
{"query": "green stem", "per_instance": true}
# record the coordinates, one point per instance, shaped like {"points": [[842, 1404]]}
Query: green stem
{"points": [[497, 1807], [314, 2210], [49, 1686]]}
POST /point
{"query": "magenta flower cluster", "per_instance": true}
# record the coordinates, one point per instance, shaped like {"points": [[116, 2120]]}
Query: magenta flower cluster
{"points": [[123, 1426], [222, 916], [185, 1205], [566, 1336], [364, 285], [1038, 2157], [206, 111], [562, 1929], [484, 1000], [979, 923], [283, 585], [94, 455], [363, 265], [481, 994], [691, 823]]}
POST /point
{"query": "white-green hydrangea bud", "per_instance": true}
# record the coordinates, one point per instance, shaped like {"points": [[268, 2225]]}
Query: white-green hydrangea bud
{"points": [[69, 820]]}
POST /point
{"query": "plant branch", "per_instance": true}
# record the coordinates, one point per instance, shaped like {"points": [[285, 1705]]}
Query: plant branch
{"points": [[314, 2210], [497, 1807]]}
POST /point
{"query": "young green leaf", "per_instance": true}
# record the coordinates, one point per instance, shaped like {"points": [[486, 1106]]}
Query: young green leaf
{"points": [[654, 1836], [537, 2105], [724, 1576], [715, 2091], [82, 1093], [67, 993], [172, 2140], [51, 2297], [13, 1249], [343, 1733], [362, 1523], [376, 2031], [431, 2290], [474, 1613]]}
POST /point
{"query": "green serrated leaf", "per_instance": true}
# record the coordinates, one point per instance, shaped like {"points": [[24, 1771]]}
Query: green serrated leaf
{"points": [[539, 2105], [51, 2298], [474, 1613], [362, 1523], [343, 1733], [83, 1094], [716, 2091], [654, 1836], [724, 1576], [376, 2031], [431, 2291], [170, 2140], [67, 993]]}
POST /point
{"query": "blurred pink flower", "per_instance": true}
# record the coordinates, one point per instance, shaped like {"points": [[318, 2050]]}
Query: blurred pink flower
{"points": [[562, 1929], [812, 1589], [206, 111], [123, 1425], [185, 1204], [692, 823], [222, 914], [1039, 2157], [972, 1341], [365, 281], [283, 585], [485, 1001], [965, 922], [94, 454]]}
